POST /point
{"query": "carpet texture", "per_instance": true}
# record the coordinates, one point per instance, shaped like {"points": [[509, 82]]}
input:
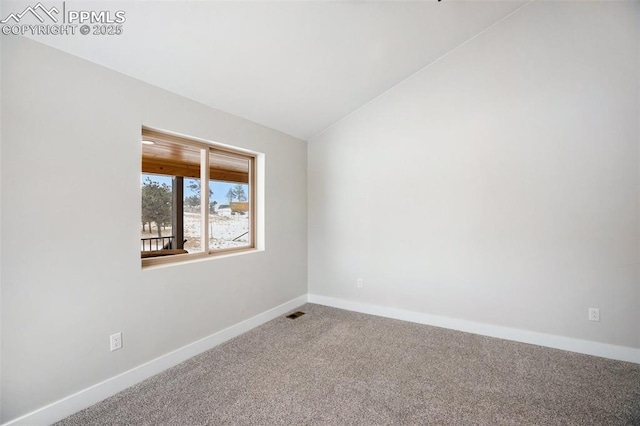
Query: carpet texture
{"points": [[336, 367]]}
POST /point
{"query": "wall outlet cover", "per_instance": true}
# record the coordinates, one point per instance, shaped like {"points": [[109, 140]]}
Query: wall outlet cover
{"points": [[115, 341]]}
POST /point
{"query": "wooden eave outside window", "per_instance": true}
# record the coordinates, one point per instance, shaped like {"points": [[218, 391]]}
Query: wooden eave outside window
{"points": [[164, 157]]}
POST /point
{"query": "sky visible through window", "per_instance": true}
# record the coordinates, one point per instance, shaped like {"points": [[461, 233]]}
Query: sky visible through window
{"points": [[219, 189]]}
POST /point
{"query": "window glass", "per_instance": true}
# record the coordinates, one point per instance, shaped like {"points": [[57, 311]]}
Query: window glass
{"points": [[229, 207], [192, 215], [157, 211], [183, 214], [170, 192]]}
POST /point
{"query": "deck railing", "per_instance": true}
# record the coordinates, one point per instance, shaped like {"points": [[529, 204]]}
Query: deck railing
{"points": [[157, 243]]}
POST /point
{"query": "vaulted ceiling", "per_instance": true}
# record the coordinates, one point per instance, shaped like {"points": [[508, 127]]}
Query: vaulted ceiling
{"points": [[297, 67]]}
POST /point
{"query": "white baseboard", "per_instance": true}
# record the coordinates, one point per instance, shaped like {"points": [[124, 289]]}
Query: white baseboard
{"points": [[96, 393], [604, 350]]}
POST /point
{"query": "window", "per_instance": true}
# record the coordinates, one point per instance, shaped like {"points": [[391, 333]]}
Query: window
{"points": [[197, 198]]}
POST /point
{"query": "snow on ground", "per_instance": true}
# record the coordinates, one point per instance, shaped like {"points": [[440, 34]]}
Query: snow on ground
{"points": [[222, 231]]}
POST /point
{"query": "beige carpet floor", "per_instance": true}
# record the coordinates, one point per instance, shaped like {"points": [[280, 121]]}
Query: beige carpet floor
{"points": [[336, 367]]}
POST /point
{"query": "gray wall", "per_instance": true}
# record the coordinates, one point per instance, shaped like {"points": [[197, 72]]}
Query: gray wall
{"points": [[1, 38], [71, 272], [499, 185]]}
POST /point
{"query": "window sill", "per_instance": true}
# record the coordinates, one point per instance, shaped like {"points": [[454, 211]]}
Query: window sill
{"points": [[164, 262]]}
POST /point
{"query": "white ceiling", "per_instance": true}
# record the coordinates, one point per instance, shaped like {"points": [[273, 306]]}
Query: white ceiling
{"points": [[296, 67]]}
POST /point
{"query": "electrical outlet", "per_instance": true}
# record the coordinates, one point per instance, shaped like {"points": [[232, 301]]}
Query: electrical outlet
{"points": [[359, 283], [116, 341], [594, 314]]}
